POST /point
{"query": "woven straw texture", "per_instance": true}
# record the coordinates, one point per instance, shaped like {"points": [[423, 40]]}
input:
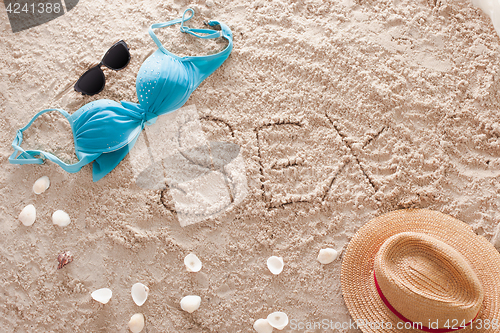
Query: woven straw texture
{"points": [[426, 279], [358, 286]]}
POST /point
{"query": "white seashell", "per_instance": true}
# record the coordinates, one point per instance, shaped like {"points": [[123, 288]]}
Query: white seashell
{"points": [[136, 323], [278, 320], [28, 215], [190, 303], [139, 293], [61, 218], [262, 326], [327, 255], [41, 185], [275, 264], [193, 264], [492, 9], [102, 295]]}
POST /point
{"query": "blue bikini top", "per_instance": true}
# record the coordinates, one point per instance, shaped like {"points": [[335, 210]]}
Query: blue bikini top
{"points": [[104, 131]]}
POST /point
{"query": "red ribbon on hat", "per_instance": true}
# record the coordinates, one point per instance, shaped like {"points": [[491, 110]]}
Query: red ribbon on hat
{"points": [[403, 318]]}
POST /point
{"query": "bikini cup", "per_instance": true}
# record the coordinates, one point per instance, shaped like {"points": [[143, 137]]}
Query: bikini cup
{"points": [[104, 131]]}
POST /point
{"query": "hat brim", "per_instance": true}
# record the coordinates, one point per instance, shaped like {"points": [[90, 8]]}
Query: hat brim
{"points": [[358, 286]]}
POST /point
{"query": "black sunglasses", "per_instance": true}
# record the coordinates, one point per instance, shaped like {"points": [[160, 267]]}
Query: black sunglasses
{"points": [[92, 81]]}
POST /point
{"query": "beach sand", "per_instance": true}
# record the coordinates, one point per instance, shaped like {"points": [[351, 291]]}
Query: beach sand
{"points": [[343, 110]]}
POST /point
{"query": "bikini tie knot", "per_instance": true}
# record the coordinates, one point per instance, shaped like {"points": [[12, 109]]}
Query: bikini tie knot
{"points": [[149, 118]]}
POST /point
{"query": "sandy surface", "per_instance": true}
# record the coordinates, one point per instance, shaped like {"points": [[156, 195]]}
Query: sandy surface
{"points": [[343, 110]]}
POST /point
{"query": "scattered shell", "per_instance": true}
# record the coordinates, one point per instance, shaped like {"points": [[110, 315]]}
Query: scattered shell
{"points": [[262, 326], [190, 303], [275, 264], [61, 218], [64, 258], [192, 262], [41, 185], [28, 215], [139, 293], [490, 8], [327, 255], [136, 323], [278, 320], [102, 295]]}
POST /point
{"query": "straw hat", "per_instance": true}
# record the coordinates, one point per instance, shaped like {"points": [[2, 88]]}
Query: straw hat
{"points": [[420, 267]]}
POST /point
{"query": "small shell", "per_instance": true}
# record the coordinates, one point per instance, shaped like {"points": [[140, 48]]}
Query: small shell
{"points": [[41, 185], [28, 215], [102, 295], [64, 258], [136, 323], [61, 218], [327, 255], [190, 303], [192, 262], [275, 264], [139, 293], [278, 320], [262, 326]]}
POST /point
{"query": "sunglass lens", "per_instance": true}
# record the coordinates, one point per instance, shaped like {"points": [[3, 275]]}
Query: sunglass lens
{"points": [[91, 82], [117, 56]]}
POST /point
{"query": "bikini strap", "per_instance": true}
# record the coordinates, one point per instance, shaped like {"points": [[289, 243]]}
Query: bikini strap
{"points": [[207, 33], [29, 156]]}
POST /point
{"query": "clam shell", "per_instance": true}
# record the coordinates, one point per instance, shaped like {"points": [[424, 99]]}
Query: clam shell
{"points": [[275, 264], [190, 303], [139, 293], [262, 326], [136, 323], [102, 295], [61, 218], [278, 320], [327, 255], [192, 262], [41, 185], [28, 215]]}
